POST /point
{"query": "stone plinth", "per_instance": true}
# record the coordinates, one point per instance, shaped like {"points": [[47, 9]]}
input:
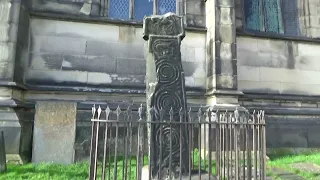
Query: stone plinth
{"points": [[54, 132]]}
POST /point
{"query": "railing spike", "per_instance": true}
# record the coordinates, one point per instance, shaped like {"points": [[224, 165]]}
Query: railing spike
{"points": [[107, 112], [118, 111], [99, 111], [93, 110]]}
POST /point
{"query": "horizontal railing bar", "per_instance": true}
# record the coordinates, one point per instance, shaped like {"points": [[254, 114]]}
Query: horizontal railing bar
{"points": [[167, 122]]}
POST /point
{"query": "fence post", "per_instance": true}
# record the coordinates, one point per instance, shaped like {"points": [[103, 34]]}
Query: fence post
{"points": [[3, 161]]}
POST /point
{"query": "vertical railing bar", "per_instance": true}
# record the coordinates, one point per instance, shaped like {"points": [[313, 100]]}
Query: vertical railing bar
{"points": [[125, 140], [199, 142], [249, 168], [140, 154], [236, 140], [254, 141], [209, 144], [258, 163], [218, 144], [190, 142], [92, 168], [264, 146], [118, 111], [180, 137], [224, 144], [107, 111], [205, 142], [151, 148], [229, 157], [161, 145], [170, 157], [109, 159], [130, 140], [244, 129]]}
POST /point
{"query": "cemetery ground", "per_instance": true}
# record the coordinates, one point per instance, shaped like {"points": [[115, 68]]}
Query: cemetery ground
{"points": [[291, 167]]}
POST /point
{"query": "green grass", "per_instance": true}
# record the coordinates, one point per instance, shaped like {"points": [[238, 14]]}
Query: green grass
{"points": [[80, 171], [286, 162]]}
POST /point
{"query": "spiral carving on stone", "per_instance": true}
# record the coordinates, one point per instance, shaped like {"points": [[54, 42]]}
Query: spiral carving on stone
{"points": [[164, 47], [166, 99], [166, 137], [168, 72]]}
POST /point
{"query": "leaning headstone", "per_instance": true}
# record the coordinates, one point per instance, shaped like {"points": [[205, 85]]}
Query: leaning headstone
{"points": [[54, 132], [166, 98], [3, 161]]}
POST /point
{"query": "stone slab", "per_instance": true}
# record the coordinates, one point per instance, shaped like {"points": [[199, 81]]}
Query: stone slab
{"points": [[54, 132]]}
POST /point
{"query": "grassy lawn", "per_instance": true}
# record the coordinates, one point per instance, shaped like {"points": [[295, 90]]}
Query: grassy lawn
{"points": [[80, 171], [287, 161]]}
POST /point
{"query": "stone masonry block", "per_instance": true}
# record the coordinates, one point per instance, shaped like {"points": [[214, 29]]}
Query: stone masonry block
{"points": [[248, 73], [308, 49], [54, 132], [225, 16], [55, 44], [68, 78], [45, 61], [289, 76], [90, 31], [226, 67], [188, 54], [225, 33], [5, 11], [259, 86], [226, 82], [131, 66], [247, 44], [195, 7], [225, 3]]}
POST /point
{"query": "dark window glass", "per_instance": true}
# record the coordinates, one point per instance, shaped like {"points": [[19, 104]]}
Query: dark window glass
{"points": [[276, 16], [142, 8], [165, 6], [290, 17], [119, 9]]}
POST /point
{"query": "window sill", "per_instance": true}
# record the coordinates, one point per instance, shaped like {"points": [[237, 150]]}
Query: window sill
{"points": [[278, 36], [90, 19]]}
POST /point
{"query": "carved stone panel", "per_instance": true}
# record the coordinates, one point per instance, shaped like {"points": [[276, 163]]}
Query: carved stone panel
{"points": [[166, 95]]}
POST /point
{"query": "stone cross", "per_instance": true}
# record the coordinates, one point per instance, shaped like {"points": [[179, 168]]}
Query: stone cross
{"points": [[166, 96]]}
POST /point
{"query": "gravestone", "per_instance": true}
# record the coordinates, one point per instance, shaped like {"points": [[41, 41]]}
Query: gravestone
{"points": [[166, 98]]}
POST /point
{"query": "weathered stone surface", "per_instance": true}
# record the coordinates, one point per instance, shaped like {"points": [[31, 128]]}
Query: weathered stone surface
{"points": [[165, 91], [54, 132]]}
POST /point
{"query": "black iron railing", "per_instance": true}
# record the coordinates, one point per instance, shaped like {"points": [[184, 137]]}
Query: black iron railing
{"points": [[221, 145]]}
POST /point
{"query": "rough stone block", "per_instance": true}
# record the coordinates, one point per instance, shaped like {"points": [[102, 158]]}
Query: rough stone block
{"points": [[100, 79], [188, 54], [225, 33], [196, 20], [226, 82], [66, 78], [17, 127], [54, 132], [248, 73], [308, 49], [54, 44], [5, 11], [225, 16], [258, 86], [131, 66], [45, 61], [226, 67], [94, 32], [195, 7], [200, 54], [196, 40]]}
